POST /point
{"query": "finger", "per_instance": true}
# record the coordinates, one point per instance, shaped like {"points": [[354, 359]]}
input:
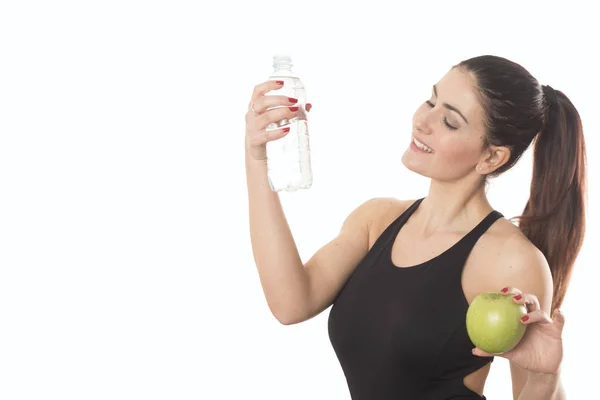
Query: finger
{"points": [[265, 87], [264, 136], [276, 115], [276, 134], [480, 353], [529, 300], [263, 103], [537, 316], [510, 289]]}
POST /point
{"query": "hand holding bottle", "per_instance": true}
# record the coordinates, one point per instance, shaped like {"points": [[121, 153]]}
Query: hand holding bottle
{"points": [[263, 111]]}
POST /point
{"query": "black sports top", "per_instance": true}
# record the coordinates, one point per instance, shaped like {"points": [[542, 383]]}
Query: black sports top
{"points": [[400, 333]]}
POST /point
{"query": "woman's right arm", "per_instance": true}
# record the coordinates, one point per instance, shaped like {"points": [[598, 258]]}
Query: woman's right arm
{"points": [[294, 292]]}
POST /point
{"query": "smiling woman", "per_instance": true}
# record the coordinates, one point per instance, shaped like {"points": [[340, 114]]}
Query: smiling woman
{"points": [[402, 273], [456, 144]]}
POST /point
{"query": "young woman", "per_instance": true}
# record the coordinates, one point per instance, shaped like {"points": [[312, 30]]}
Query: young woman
{"points": [[401, 273]]}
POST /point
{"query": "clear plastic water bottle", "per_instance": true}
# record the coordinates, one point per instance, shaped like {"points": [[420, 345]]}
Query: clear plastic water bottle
{"points": [[288, 158]]}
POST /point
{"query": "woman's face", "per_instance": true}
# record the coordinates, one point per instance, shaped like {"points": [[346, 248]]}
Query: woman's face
{"points": [[451, 126]]}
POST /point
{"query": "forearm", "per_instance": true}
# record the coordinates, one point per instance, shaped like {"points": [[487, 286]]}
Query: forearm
{"points": [[543, 387], [281, 271]]}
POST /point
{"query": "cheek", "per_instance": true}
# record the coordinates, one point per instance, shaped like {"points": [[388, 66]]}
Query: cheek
{"points": [[459, 152]]}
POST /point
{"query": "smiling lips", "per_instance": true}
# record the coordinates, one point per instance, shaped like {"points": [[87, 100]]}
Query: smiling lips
{"points": [[422, 146]]}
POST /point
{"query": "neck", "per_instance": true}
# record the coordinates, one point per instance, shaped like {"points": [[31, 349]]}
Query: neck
{"points": [[453, 206]]}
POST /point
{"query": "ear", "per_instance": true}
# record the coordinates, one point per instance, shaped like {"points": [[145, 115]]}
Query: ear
{"points": [[493, 158]]}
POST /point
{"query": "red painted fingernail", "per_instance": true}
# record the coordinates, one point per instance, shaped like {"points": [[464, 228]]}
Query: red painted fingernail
{"points": [[525, 318], [292, 100], [279, 82], [308, 107], [293, 108], [518, 297], [504, 290], [285, 129]]}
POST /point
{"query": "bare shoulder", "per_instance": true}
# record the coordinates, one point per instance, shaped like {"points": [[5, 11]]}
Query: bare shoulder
{"points": [[384, 204], [513, 260], [518, 252], [376, 209], [383, 211]]}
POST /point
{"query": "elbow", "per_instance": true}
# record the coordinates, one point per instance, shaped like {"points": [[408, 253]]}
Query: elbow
{"points": [[286, 318], [286, 321], [289, 312]]}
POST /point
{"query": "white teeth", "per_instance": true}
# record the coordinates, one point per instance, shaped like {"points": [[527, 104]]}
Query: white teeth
{"points": [[422, 146]]}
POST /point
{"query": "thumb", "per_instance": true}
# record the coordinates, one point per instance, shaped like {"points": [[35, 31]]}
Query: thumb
{"points": [[480, 353]]}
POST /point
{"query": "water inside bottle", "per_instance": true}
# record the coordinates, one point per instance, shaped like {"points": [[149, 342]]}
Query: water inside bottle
{"points": [[288, 158]]}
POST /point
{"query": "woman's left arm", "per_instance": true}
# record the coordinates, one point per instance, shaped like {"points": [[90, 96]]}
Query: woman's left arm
{"points": [[535, 362]]}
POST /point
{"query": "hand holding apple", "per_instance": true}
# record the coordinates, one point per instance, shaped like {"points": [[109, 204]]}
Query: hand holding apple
{"points": [[520, 332]]}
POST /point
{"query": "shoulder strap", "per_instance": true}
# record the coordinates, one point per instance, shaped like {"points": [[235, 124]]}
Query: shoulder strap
{"points": [[389, 234], [467, 243]]}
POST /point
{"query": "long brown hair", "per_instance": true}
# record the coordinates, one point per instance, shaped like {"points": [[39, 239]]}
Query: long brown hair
{"points": [[520, 112]]}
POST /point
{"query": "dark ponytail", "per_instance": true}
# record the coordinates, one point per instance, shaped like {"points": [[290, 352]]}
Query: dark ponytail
{"points": [[554, 217], [518, 112]]}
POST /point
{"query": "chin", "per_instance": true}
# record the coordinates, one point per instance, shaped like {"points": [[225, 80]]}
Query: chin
{"points": [[413, 165]]}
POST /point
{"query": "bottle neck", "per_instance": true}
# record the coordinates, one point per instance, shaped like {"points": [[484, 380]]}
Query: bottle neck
{"points": [[283, 71]]}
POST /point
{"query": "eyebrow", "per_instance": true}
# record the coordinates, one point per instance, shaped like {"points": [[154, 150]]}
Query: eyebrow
{"points": [[449, 107]]}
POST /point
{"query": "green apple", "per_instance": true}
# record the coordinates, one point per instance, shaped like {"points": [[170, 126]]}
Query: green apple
{"points": [[494, 322]]}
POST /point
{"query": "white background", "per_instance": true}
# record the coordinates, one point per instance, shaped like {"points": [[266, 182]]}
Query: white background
{"points": [[125, 263]]}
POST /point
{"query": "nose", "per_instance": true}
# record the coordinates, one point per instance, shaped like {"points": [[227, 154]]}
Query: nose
{"points": [[423, 122]]}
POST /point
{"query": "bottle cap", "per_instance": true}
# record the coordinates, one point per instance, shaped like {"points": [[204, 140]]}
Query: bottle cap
{"points": [[282, 59]]}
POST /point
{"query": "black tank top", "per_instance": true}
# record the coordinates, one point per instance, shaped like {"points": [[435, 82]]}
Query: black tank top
{"points": [[400, 333]]}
